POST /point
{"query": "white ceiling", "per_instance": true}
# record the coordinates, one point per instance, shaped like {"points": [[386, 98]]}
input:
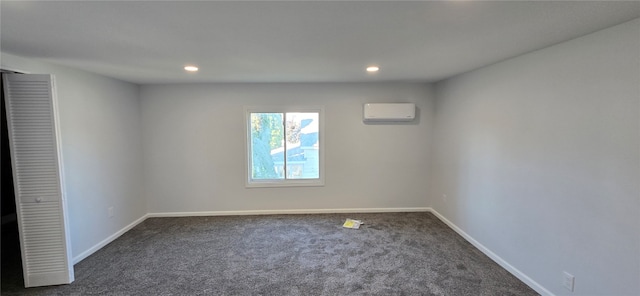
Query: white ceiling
{"points": [[302, 41]]}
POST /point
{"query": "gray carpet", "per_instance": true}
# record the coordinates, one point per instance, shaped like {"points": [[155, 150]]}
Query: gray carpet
{"points": [[391, 254]]}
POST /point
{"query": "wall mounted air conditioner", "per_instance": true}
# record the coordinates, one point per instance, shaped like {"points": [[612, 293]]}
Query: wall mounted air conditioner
{"points": [[389, 112]]}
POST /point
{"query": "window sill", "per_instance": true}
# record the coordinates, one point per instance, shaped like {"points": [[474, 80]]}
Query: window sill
{"points": [[287, 183]]}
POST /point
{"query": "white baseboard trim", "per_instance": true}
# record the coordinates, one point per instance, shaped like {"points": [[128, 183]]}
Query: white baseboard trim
{"points": [[107, 240], [285, 212], [517, 273]]}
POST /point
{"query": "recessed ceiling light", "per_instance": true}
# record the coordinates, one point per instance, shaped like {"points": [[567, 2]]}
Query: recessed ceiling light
{"points": [[373, 69], [191, 68]]}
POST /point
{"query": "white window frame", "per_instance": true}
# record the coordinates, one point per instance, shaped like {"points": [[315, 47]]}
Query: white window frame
{"points": [[251, 183]]}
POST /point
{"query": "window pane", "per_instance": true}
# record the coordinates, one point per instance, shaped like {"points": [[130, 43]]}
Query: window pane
{"points": [[267, 146], [302, 143]]}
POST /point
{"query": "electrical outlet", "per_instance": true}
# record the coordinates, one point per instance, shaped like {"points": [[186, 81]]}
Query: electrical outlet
{"points": [[110, 212], [568, 281]]}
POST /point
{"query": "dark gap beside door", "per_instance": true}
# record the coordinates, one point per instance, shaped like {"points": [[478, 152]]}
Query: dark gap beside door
{"points": [[11, 259]]}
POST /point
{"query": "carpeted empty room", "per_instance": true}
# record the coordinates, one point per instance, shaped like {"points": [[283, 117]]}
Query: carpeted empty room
{"points": [[220, 147], [391, 254]]}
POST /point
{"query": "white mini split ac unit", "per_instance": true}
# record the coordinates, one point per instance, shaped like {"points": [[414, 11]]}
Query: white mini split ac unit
{"points": [[389, 112]]}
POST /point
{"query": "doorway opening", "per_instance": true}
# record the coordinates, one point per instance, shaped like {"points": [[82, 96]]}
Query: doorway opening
{"points": [[11, 258]]}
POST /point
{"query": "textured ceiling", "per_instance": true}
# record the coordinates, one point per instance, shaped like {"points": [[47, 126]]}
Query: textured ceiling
{"points": [[149, 42]]}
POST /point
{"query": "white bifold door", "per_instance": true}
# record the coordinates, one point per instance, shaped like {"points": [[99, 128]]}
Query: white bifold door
{"points": [[38, 179]]}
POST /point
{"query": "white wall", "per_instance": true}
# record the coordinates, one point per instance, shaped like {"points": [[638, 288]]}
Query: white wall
{"points": [[101, 148], [194, 147], [539, 157]]}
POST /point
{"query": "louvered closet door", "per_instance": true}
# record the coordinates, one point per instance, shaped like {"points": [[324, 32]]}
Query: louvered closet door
{"points": [[40, 203]]}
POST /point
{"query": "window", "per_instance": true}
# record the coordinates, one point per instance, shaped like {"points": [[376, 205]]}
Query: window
{"points": [[284, 147]]}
